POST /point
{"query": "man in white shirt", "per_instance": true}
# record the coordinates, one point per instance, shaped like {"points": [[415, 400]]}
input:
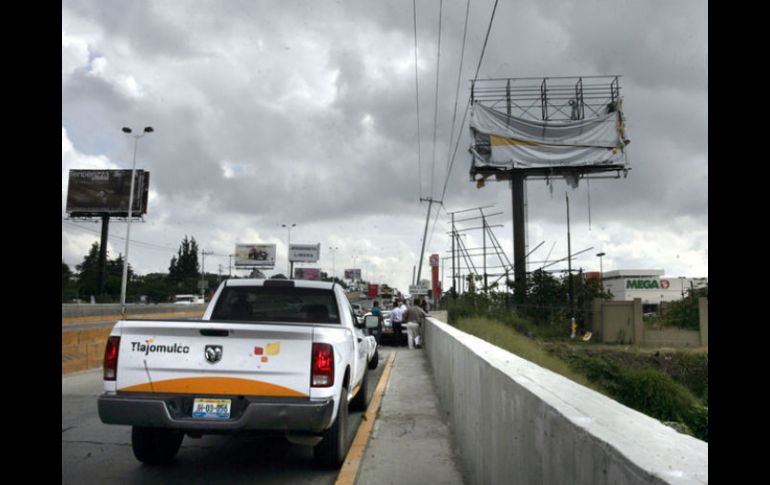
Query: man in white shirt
{"points": [[397, 319]]}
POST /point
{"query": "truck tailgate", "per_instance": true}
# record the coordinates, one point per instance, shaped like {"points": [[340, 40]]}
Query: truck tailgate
{"points": [[210, 358]]}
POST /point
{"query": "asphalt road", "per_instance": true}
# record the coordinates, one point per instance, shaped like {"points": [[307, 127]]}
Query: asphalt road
{"points": [[93, 452]]}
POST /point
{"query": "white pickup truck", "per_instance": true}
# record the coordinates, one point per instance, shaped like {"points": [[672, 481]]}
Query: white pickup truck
{"points": [[268, 356]]}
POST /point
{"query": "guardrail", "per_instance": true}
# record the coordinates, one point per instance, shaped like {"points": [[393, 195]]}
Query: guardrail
{"points": [[83, 348], [516, 422]]}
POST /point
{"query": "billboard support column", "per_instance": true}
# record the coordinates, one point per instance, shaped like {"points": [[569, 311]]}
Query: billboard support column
{"points": [[102, 266], [519, 229]]}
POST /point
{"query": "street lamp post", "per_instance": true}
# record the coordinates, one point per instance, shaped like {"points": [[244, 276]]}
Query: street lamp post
{"points": [[601, 270], [334, 251], [291, 265], [126, 130]]}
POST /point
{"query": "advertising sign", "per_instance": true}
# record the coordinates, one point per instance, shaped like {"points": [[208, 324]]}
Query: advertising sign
{"points": [[255, 256], [307, 274], [304, 253], [373, 291], [353, 274], [106, 192], [434, 260], [419, 289], [645, 284]]}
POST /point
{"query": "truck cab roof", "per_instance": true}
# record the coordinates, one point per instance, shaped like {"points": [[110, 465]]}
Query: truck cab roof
{"points": [[324, 285]]}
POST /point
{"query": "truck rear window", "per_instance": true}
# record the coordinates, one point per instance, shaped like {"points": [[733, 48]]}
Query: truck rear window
{"points": [[276, 304]]}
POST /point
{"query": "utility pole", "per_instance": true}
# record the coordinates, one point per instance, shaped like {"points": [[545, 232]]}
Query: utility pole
{"points": [[203, 272], [103, 253], [569, 266], [425, 233], [454, 272], [484, 244]]}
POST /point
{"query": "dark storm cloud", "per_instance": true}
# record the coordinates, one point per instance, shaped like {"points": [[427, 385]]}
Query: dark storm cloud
{"points": [[306, 110]]}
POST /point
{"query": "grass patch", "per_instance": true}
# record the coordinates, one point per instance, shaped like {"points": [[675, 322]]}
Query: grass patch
{"points": [[502, 335], [626, 376]]}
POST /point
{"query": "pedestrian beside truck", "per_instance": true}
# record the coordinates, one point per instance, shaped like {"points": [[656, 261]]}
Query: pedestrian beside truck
{"points": [[414, 317]]}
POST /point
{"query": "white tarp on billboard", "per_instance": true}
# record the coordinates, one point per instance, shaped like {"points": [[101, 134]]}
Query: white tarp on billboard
{"points": [[255, 255], [507, 142]]}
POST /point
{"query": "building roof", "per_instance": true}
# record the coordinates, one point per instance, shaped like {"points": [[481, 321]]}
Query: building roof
{"points": [[633, 273]]}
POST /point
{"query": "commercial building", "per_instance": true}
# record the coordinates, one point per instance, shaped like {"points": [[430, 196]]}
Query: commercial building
{"points": [[650, 285]]}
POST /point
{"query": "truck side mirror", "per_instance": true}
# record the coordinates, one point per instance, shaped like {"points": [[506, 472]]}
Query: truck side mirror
{"points": [[372, 321]]}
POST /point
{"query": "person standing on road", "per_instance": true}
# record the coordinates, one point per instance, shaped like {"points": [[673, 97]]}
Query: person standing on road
{"points": [[376, 310], [397, 319], [415, 317]]}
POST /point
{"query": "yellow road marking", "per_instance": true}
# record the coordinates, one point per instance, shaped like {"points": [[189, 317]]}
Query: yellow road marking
{"points": [[349, 470]]}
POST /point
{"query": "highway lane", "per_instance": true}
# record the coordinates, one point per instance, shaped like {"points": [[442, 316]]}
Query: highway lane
{"points": [[93, 452]]}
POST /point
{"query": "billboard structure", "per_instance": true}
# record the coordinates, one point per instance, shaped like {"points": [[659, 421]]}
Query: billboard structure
{"points": [[353, 274], [105, 194], [304, 253], [570, 127], [255, 256], [307, 274], [96, 193]]}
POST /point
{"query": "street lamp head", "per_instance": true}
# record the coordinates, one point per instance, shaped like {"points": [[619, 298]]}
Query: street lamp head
{"points": [[126, 129], [148, 129], [600, 254]]}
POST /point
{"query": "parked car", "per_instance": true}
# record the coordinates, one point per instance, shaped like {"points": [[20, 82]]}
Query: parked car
{"points": [[387, 333], [267, 355]]}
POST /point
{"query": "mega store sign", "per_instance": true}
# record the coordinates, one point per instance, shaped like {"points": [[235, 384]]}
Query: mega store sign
{"points": [[647, 284]]}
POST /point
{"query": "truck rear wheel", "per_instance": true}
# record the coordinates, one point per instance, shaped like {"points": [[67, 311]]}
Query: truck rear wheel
{"points": [[361, 401], [155, 446], [331, 451]]}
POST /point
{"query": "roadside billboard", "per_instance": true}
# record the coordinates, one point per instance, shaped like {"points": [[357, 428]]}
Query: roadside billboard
{"points": [[420, 288], [307, 274], [304, 253], [373, 291], [255, 256], [92, 193], [353, 274]]}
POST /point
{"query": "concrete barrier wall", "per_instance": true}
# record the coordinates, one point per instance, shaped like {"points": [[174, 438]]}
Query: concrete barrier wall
{"points": [[83, 348], [69, 311], [516, 422], [621, 322]]}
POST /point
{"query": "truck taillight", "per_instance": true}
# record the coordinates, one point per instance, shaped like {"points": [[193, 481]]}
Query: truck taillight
{"points": [[111, 358], [322, 372]]}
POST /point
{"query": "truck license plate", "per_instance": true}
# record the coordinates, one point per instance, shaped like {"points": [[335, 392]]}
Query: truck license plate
{"points": [[211, 408]]}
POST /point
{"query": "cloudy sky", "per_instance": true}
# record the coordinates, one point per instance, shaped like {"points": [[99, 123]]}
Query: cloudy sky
{"points": [[305, 112]]}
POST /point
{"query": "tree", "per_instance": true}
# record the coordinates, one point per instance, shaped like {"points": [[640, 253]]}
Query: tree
{"points": [[88, 277], [184, 269], [547, 297], [66, 284]]}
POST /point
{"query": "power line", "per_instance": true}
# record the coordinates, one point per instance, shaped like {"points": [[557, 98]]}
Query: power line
{"points": [[417, 100], [484, 48], [113, 236], [435, 111], [457, 94]]}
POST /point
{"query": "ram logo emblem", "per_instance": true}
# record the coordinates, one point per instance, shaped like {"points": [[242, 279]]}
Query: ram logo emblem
{"points": [[213, 353]]}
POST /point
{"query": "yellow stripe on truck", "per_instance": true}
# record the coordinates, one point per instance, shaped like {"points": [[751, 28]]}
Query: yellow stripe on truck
{"points": [[214, 386]]}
